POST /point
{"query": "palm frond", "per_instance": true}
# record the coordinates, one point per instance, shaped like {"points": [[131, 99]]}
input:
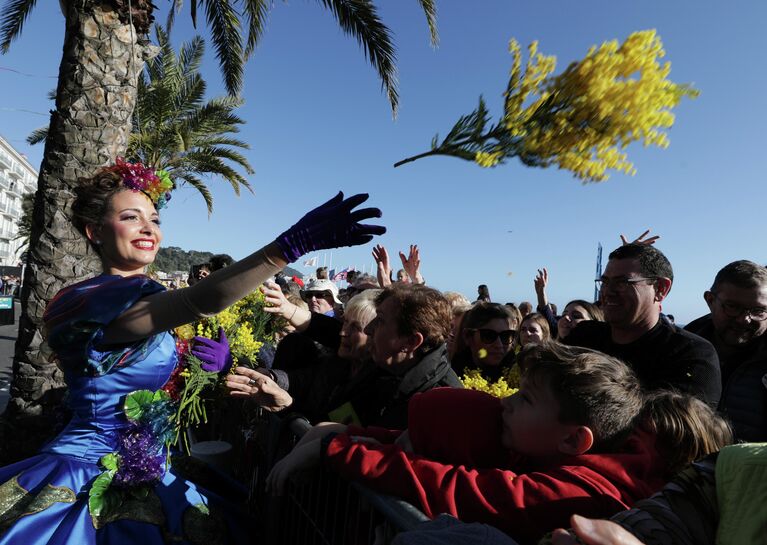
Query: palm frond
{"points": [[209, 141], [174, 9], [12, 23], [38, 135], [430, 10], [234, 157], [225, 31], [359, 18], [190, 55], [256, 13], [200, 186], [202, 161]]}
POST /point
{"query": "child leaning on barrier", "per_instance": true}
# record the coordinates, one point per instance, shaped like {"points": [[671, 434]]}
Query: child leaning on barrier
{"points": [[580, 437]]}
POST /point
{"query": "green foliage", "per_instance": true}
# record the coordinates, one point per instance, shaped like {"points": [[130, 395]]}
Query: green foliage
{"points": [[110, 461], [102, 498], [14, 16], [24, 223], [173, 258], [236, 27], [191, 410], [177, 130], [136, 402]]}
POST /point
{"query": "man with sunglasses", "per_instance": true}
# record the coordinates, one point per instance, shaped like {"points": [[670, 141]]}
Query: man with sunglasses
{"points": [[737, 327], [636, 280]]}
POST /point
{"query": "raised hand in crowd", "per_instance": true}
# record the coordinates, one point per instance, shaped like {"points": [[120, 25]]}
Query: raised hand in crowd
{"points": [[381, 257], [540, 282], [412, 264], [640, 239], [252, 384], [594, 532], [277, 303]]}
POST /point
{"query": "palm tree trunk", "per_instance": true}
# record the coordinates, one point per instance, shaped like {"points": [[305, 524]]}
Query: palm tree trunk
{"points": [[95, 98]]}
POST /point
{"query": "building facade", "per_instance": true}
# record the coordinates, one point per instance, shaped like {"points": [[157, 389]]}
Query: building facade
{"points": [[17, 177]]}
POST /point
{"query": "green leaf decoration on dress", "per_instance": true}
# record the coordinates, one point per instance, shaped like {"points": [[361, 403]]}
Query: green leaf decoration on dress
{"points": [[101, 499], [110, 461], [136, 402]]}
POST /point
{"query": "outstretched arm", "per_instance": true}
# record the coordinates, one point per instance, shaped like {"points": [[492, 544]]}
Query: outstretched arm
{"points": [[330, 225], [526, 506]]}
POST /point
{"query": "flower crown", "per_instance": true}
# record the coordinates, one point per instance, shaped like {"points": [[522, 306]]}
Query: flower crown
{"points": [[155, 184]]}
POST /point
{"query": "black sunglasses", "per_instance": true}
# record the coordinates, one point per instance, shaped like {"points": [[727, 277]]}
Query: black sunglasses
{"points": [[488, 336]]}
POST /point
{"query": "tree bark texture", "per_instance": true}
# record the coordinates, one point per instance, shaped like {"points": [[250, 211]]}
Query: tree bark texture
{"points": [[102, 58]]}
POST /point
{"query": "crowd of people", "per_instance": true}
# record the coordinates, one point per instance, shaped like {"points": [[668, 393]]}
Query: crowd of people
{"points": [[613, 398], [506, 418], [9, 285]]}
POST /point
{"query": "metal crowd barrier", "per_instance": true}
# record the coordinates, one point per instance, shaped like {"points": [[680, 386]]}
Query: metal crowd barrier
{"points": [[320, 508]]}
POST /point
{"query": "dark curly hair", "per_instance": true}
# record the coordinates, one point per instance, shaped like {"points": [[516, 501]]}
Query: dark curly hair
{"points": [[93, 198]]}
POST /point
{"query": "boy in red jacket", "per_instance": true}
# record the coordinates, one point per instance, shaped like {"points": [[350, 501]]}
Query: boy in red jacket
{"points": [[564, 444]]}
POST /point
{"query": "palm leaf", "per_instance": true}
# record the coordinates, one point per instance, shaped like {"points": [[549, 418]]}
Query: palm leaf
{"points": [[14, 16], [200, 186], [256, 13], [430, 9], [225, 31], [359, 18], [37, 136]]}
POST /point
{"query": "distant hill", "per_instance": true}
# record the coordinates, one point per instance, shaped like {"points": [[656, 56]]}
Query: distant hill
{"points": [[173, 258]]}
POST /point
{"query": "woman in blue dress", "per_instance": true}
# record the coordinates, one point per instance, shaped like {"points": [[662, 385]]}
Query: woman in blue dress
{"points": [[110, 336]]}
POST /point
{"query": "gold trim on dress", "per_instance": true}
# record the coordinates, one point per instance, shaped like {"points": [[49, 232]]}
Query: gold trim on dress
{"points": [[17, 502]]}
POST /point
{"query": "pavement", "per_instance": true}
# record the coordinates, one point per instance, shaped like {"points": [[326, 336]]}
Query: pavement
{"points": [[8, 334]]}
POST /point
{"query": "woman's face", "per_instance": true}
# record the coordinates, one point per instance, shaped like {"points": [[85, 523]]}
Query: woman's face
{"points": [[487, 342], [572, 316], [129, 236], [353, 339], [530, 332]]}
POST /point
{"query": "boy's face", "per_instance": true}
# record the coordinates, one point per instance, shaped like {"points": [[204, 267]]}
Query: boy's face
{"points": [[531, 425]]}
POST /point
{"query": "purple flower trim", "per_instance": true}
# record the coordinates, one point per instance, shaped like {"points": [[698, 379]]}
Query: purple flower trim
{"points": [[141, 459]]}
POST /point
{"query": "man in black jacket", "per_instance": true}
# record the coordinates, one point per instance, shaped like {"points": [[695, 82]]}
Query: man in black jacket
{"points": [[637, 279], [737, 327]]}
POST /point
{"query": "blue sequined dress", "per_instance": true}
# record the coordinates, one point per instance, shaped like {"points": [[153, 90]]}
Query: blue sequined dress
{"points": [[44, 499]]}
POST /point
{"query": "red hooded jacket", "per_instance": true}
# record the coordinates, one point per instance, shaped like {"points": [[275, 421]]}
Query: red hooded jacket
{"points": [[461, 468]]}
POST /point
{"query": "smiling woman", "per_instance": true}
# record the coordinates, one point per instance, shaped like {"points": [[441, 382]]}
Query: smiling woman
{"points": [[129, 237], [111, 337]]}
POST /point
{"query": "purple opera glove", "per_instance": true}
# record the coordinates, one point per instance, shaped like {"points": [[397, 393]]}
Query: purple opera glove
{"points": [[330, 225], [214, 355]]}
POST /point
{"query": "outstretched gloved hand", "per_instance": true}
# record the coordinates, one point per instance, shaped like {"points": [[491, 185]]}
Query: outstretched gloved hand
{"points": [[331, 225], [214, 355]]}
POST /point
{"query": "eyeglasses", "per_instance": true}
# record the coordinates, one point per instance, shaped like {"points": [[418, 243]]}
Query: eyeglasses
{"points": [[488, 336], [734, 310], [307, 295], [620, 284]]}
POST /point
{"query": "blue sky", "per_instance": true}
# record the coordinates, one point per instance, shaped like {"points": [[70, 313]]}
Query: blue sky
{"points": [[317, 122]]}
